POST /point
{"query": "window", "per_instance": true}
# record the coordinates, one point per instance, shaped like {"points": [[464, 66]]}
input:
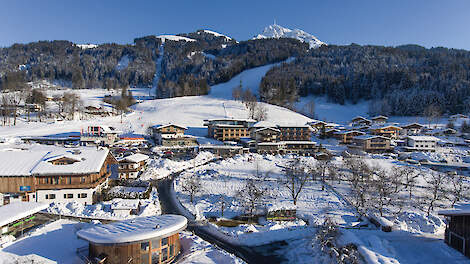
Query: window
{"points": [[144, 246], [56, 180], [82, 195], [69, 180], [68, 195], [165, 254], [164, 241], [50, 196], [82, 179]]}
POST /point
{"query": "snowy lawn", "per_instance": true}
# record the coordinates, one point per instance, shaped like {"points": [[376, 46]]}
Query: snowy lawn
{"points": [[221, 181], [103, 210], [159, 168]]}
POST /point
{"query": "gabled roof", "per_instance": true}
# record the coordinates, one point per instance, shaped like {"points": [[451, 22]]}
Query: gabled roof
{"points": [[412, 125], [366, 137], [379, 117], [36, 161], [135, 158], [167, 125], [359, 118], [269, 128], [350, 131], [426, 138]]}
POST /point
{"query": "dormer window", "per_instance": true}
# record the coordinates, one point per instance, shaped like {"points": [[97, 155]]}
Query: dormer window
{"points": [[63, 161]]}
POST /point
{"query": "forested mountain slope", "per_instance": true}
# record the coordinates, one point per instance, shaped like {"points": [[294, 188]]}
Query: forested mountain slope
{"points": [[399, 81]]}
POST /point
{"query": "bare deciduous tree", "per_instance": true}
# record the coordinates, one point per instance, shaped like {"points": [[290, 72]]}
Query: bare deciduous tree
{"points": [[458, 187], [294, 179], [251, 195], [191, 184], [436, 182]]}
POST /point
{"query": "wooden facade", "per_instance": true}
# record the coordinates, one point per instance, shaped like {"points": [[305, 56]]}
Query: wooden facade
{"points": [[386, 131], [31, 183], [373, 143], [160, 250], [295, 133], [457, 233]]}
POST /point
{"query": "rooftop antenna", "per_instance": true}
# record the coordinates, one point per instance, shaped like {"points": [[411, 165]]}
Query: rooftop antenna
{"points": [[274, 21]]}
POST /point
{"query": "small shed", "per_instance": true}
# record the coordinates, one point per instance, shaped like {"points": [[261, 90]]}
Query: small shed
{"points": [[18, 216], [457, 234]]}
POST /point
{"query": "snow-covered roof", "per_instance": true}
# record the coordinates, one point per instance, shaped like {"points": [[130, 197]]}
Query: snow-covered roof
{"points": [[167, 125], [231, 119], [350, 131], [379, 117], [269, 128], [382, 126], [135, 158], [37, 160], [262, 124], [18, 210], [423, 138], [135, 230], [366, 137], [412, 125]]}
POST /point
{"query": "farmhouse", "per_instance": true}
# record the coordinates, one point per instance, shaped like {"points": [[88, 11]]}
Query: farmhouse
{"points": [[457, 233], [390, 131], [151, 239], [131, 166], [228, 129], [379, 120], [411, 129], [99, 135], [346, 137], [172, 135], [52, 174], [360, 121], [372, 143], [421, 143]]}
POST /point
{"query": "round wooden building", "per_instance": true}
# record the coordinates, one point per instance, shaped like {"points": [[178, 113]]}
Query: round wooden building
{"points": [[142, 240]]}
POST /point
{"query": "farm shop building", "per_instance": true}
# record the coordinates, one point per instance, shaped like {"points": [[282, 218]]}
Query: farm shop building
{"points": [[53, 174], [142, 240]]}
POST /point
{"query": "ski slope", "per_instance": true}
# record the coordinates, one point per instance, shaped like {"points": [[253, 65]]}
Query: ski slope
{"points": [[189, 111]]}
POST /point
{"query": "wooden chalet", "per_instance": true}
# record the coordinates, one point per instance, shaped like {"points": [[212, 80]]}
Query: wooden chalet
{"points": [[346, 137], [52, 174], [268, 134], [360, 121], [172, 135], [390, 131], [372, 143], [411, 129], [379, 119], [131, 166]]}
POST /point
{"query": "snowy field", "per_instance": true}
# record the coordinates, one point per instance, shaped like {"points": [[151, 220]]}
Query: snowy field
{"points": [[222, 180]]}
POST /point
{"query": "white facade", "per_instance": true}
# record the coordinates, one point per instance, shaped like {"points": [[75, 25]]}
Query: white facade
{"points": [[84, 196], [422, 143]]}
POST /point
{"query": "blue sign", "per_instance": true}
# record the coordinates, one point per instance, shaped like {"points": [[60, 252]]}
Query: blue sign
{"points": [[25, 188]]}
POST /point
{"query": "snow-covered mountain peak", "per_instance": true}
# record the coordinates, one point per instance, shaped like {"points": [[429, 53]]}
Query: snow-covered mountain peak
{"points": [[277, 31]]}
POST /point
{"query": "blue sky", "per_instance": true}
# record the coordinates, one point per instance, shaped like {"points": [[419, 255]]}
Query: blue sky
{"points": [[425, 22]]}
